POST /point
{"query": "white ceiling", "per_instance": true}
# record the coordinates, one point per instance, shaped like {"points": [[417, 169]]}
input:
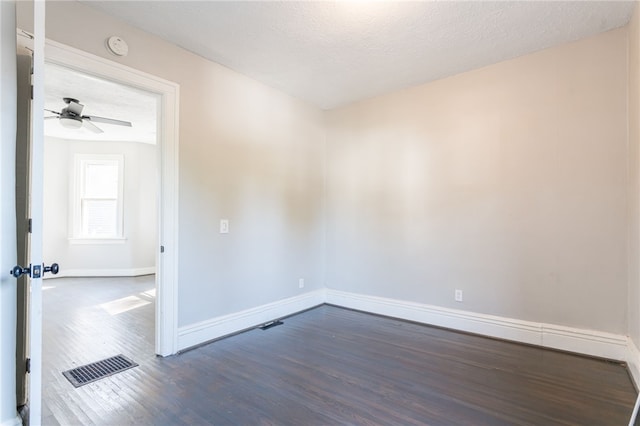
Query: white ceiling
{"points": [[334, 53], [100, 98]]}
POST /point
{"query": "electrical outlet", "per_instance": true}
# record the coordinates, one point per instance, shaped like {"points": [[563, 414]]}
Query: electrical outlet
{"points": [[458, 295], [301, 283], [224, 226]]}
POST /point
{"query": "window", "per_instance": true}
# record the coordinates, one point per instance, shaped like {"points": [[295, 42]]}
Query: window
{"points": [[97, 197]]}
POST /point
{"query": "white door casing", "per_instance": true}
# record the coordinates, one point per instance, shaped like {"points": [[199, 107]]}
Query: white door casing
{"points": [[167, 260]]}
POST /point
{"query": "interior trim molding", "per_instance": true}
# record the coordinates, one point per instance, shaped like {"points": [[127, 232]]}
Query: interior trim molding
{"points": [[214, 328], [586, 342], [16, 421], [633, 362], [580, 341], [123, 272]]}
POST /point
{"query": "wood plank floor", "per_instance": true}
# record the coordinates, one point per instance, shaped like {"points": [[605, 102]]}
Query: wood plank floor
{"points": [[326, 366]]}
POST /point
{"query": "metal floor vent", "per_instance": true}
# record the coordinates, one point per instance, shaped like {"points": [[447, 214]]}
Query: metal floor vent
{"points": [[82, 375], [270, 325]]}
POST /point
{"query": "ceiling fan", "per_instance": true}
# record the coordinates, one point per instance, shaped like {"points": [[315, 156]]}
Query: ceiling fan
{"points": [[71, 117]]}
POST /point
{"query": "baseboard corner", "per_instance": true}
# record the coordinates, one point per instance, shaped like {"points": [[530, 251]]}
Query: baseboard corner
{"points": [[215, 328], [633, 362]]}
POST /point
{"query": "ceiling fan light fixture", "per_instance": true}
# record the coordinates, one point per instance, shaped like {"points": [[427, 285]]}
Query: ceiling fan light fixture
{"points": [[71, 117], [71, 123]]}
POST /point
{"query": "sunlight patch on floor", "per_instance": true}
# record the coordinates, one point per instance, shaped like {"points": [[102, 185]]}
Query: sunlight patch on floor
{"points": [[150, 293], [125, 304]]}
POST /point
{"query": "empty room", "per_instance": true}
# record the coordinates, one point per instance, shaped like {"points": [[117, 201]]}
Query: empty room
{"points": [[358, 212]]}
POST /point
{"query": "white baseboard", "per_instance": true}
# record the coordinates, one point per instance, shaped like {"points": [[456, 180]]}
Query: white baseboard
{"points": [[633, 362], [588, 342], [225, 325], [16, 421], [126, 272]]}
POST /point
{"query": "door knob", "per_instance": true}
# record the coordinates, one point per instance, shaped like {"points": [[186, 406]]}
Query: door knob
{"points": [[34, 272], [18, 271], [54, 268]]}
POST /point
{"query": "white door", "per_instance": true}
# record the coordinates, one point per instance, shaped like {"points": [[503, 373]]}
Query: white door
{"points": [[29, 189], [24, 66]]}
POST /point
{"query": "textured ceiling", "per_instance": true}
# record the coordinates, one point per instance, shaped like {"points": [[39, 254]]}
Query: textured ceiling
{"points": [[334, 53], [100, 98]]}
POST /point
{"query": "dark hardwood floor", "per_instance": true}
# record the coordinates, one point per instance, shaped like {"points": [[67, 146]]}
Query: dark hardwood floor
{"points": [[86, 320], [326, 366]]}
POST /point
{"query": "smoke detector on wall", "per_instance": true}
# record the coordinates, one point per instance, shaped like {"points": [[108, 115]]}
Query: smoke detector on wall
{"points": [[117, 46]]}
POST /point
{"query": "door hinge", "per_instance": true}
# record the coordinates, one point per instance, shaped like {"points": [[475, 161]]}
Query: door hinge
{"points": [[28, 365], [161, 249], [30, 226], [31, 92]]}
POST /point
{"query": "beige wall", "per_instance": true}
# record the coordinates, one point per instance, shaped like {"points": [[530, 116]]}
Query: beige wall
{"points": [[634, 176], [248, 153], [508, 182]]}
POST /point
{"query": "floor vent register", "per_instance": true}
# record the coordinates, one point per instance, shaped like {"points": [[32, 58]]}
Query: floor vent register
{"points": [[85, 374]]}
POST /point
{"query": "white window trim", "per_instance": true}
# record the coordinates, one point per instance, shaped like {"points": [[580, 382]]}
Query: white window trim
{"points": [[75, 210]]}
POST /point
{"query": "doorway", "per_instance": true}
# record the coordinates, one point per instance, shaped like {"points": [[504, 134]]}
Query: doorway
{"points": [[100, 224], [166, 250]]}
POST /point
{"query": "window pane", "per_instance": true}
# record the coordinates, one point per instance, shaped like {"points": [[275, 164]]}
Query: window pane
{"points": [[101, 180], [97, 210], [99, 218]]}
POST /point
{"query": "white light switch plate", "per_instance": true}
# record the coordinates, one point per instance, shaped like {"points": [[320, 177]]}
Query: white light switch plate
{"points": [[224, 226]]}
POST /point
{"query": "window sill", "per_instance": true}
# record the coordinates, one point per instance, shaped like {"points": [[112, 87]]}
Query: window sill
{"points": [[98, 241]]}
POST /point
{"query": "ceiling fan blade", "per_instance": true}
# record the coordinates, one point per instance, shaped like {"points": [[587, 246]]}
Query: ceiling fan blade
{"points": [[50, 110], [106, 120], [50, 117], [75, 107], [90, 126]]}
